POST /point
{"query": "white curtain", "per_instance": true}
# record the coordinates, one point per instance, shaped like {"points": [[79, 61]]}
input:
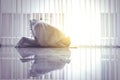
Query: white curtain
{"points": [[87, 22]]}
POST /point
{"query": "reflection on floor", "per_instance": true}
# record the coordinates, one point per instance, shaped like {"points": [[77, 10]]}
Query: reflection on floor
{"points": [[59, 63]]}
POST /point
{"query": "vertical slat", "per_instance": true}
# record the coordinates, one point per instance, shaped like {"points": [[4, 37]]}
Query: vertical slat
{"points": [[117, 11], [49, 12], [24, 6], [13, 6], [36, 4], [0, 22], [32, 6], [12, 17], [0, 6], [19, 6], [10, 26], [28, 6]]}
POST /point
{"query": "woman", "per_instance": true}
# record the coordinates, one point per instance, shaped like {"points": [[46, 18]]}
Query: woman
{"points": [[45, 35]]}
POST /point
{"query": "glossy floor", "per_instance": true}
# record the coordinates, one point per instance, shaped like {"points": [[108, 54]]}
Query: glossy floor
{"points": [[59, 63]]}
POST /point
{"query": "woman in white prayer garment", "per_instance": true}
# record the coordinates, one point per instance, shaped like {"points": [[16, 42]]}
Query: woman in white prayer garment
{"points": [[45, 35]]}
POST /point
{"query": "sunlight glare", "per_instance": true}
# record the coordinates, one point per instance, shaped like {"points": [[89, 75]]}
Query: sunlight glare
{"points": [[83, 26]]}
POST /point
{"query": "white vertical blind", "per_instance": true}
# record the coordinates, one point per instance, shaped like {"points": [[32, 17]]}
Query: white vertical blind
{"points": [[87, 22]]}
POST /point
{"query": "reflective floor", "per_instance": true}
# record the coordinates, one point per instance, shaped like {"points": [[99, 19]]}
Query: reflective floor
{"points": [[59, 63]]}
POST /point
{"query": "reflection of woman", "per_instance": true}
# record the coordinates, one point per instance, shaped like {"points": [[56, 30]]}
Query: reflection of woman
{"points": [[47, 63], [45, 35], [45, 60]]}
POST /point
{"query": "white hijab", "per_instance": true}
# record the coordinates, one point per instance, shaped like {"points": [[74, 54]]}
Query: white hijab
{"points": [[47, 35]]}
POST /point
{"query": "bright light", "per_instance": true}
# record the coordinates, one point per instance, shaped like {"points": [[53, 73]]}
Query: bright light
{"points": [[83, 26], [83, 32]]}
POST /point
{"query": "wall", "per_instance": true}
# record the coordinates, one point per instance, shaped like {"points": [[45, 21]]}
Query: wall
{"points": [[90, 22]]}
